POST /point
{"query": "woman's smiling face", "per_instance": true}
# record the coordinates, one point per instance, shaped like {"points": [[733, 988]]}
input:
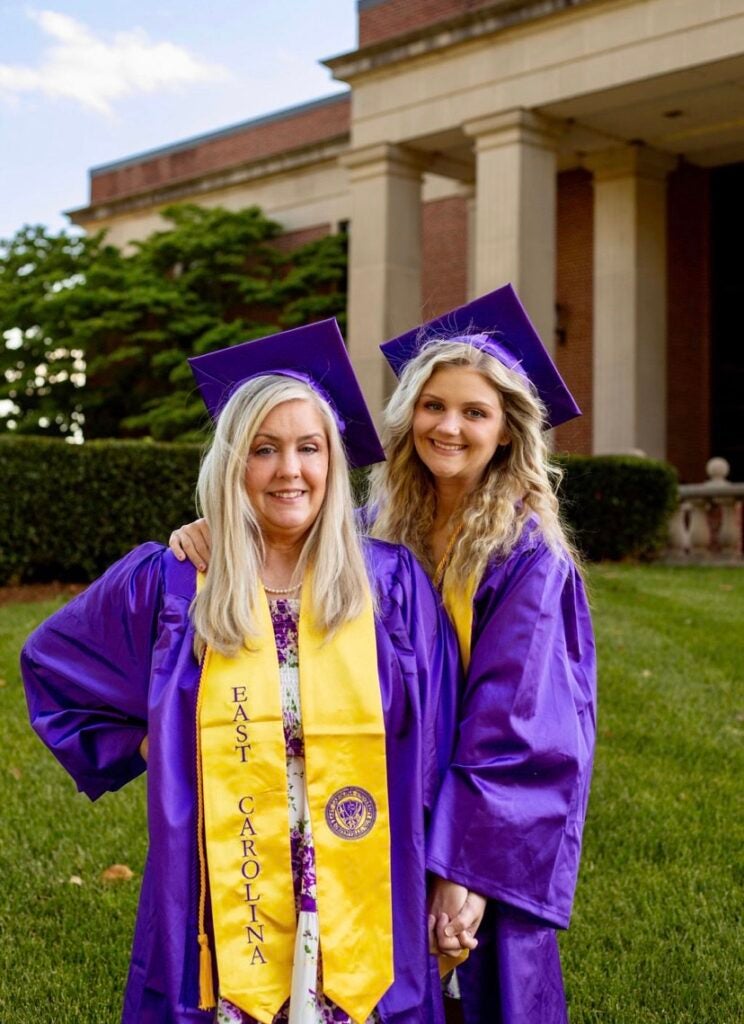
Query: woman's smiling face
{"points": [[287, 470], [458, 423]]}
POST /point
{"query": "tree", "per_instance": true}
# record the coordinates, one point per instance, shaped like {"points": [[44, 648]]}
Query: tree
{"points": [[98, 337], [40, 362]]}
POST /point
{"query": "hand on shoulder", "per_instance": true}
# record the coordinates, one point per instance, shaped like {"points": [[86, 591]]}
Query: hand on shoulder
{"points": [[193, 541]]}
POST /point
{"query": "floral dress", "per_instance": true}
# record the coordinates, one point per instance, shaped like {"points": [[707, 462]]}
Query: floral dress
{"points": [[307, 1004]]}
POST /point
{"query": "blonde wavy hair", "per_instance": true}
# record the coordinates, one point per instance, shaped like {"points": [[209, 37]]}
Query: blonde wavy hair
{"points": [[518, 485], [223, 612]]}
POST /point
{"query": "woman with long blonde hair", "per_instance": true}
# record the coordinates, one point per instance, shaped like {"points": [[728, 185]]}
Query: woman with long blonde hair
{"points": [[469, 488], [295, 708]]}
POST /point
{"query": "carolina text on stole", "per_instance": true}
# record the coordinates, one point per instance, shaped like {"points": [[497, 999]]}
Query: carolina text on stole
{"points": [[250, 867]]}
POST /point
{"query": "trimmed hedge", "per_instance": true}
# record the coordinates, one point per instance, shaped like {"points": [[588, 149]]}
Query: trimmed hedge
{"points": [[69, 511], [617, 506]]}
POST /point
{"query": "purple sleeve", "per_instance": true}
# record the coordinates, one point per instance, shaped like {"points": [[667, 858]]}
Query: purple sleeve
{"points": [[422, 711], [439, 673], [86, 671], [510, 813]]}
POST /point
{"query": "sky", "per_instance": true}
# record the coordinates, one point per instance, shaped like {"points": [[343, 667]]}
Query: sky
{"points": [[86, 82]]}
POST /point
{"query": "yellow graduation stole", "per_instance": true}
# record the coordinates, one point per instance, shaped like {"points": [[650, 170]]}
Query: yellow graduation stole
{"points": [[458, 601], [246, 822]]}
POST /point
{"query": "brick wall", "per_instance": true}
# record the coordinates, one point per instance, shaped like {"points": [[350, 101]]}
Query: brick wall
{"points": [[444, 255], [253, 141], [294, 239], [574, 286], [388, 18], [688, 322]]}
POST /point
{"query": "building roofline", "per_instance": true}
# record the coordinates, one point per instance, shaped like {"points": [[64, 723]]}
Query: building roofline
{"points": [[196, 140], [435, 35], [190, 188]]}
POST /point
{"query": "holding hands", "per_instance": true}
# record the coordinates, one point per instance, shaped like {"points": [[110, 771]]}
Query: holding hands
{"points": [[455, 915]]}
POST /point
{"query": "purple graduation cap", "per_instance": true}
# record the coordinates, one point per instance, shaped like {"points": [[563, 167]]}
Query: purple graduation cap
{"points": [[314, 354], [497, 323]]}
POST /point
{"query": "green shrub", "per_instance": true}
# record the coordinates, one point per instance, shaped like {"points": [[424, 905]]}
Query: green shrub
{"points": [[617, 506], [68, 511]]}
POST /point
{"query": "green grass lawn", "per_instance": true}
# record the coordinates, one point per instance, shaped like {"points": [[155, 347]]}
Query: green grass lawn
{"points": [[656, 931]]}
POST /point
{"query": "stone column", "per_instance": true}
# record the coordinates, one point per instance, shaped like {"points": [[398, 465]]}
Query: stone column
{"points": [[515, 155], [629, 404], [384, 259]]}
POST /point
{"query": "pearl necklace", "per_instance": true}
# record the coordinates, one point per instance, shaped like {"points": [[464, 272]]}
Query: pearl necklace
{"points": [[281, 590]]}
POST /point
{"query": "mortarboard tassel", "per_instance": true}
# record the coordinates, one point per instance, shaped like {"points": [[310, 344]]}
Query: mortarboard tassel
{"points": [[206, 986]]}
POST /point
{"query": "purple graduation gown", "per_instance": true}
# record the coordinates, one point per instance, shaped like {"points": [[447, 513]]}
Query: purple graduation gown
{"points": [[509, 815], [116, 663]]}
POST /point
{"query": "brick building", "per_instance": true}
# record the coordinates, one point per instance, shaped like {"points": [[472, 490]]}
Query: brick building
{"points": [[590, 151]]}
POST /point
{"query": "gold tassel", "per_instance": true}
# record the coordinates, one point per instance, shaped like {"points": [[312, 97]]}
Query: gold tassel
{"points": [[206, 986]]}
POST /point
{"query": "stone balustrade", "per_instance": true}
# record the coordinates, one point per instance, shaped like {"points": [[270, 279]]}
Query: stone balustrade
{"points": [[707, 526]]}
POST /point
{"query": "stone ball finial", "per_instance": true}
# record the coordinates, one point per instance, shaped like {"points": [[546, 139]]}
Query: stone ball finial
{"points": [[717, 469]]}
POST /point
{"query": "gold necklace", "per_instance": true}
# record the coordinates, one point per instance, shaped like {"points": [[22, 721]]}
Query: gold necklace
{"points": [[444, 560]]}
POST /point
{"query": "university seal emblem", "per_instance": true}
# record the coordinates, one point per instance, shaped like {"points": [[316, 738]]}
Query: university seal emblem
{"points": [[351, 812]]}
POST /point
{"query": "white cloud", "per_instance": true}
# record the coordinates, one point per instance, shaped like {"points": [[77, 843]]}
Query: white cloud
{"points": [[95, 71]]}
